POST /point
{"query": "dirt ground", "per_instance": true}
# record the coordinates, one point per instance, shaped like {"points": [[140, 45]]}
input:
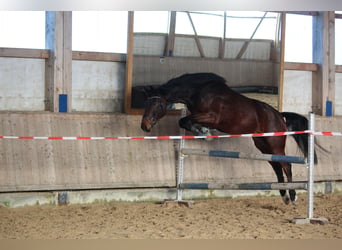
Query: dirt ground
{"points": [[239, 218]]}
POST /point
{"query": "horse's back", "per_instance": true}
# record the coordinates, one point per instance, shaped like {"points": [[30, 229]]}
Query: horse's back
{"points": [[269, 118]]}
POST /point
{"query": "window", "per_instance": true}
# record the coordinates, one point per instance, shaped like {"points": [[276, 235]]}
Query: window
{"points": [[208, 23], [100, 31], [298, 38], [151, 21], [22, 29], [241, 24]]}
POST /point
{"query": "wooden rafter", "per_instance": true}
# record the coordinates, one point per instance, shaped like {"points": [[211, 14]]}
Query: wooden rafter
{"points": [[198, 42], [171, 36], [282, 61], [223, 40], [129, 62], [245, 45]]}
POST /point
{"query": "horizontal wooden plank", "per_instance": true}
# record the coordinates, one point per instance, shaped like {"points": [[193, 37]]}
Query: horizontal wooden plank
{"points": [[24, 53], [339, 16], [338, 68], [98, 56], [306, 13], [76, 55], [300, 66]]}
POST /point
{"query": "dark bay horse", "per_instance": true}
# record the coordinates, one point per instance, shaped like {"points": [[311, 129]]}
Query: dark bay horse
{"points": [[213, 104]]}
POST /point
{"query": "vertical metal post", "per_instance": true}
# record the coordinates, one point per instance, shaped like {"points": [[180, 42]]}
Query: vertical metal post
{"points": [[311, 165], [180, 169]]}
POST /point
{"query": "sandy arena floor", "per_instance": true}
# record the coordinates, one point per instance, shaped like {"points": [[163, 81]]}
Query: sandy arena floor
{"points": [[240, 218]]}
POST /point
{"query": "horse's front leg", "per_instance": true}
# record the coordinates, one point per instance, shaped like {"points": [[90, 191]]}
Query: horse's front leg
{"points": [[189, 125], [198, 123]]}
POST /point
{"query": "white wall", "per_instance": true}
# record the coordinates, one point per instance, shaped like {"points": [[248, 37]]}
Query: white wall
{"points": [[98, 86], [338, 94], [149, 45], [22, 84], [297, 91]]}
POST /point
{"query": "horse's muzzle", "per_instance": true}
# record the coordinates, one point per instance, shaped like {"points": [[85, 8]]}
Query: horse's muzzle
{"points": [[146, 125]]}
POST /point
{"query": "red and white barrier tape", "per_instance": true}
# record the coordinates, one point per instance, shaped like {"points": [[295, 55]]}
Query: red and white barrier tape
{"points": [[168, 137], [149, 137], [328, 133]]}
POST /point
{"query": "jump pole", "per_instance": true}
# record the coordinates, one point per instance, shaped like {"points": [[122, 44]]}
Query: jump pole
{"points": [[242, 155], [245, 186]]}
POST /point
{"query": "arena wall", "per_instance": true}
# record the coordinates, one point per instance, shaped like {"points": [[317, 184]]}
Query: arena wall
{"points": [[101, 164]]}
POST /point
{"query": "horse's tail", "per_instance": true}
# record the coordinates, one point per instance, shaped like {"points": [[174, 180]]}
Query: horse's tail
{"points": [[297, 122]]}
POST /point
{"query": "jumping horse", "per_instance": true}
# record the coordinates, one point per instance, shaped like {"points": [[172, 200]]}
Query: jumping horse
{"points": [[214, 105]]}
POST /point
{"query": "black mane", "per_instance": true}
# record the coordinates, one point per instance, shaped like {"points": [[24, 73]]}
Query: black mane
{"points": [[179, 88], [193, 80]]}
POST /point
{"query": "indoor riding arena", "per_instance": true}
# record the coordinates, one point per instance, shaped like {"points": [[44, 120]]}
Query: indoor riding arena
{"points": [[76, 164]]}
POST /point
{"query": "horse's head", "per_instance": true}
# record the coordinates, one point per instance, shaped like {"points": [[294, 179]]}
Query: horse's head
{"points": [[155, 109]]}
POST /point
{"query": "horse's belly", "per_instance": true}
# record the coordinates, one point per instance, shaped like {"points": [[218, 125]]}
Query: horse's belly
{"points": [[238, 126]]}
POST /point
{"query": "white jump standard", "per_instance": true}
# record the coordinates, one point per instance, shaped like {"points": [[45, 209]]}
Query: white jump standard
{"points": [[257, 186]]}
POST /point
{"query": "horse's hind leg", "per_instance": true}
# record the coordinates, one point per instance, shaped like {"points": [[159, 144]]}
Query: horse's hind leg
{"points": [[287, 168], [275, 145], [279, 172]]}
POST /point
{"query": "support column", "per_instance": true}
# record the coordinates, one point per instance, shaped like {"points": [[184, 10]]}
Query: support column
{"points": [[58, 70], [323, 81], [282, 61], [171, 36], [129, 62]]}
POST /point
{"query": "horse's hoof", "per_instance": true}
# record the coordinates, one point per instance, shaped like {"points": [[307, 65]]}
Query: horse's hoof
{"points": [[286, 199], [294, 201], [205, 132]]}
